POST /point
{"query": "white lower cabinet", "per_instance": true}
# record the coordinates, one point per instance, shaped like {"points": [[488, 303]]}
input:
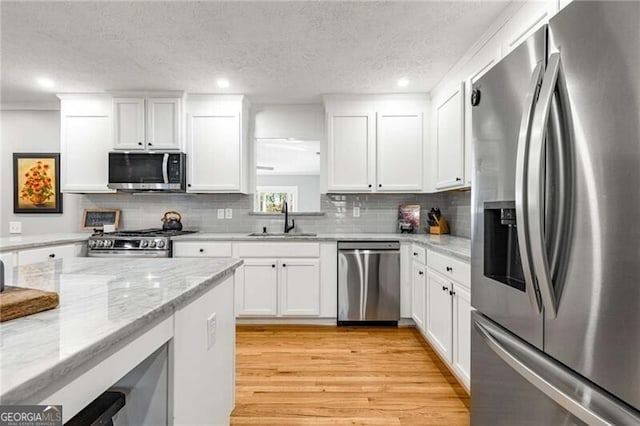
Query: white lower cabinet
{"points": [[418, 282], [257, 288], [439, 314], [299, 287], [279, 287], [441, 308], [43, 254], [462, 333]]}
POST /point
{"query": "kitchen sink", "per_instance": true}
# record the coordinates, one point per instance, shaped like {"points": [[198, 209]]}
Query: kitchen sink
{"points": [[282, 234]]}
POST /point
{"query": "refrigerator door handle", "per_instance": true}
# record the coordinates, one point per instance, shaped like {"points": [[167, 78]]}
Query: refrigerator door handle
{"points": [[522, 158], [535, 187], [585, 401]]}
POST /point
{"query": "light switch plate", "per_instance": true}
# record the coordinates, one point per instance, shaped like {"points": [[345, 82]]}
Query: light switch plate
{"points": [[220, 213], [356, 212], [211, 331], [228, 213], [15, 227]]}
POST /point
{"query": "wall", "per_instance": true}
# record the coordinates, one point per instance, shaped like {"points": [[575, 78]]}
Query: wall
{"points": [[308, 188], [32, 131], [378, 212]]}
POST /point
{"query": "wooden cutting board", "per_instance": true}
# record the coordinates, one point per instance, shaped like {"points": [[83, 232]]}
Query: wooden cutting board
{"points": [[16, 302]]}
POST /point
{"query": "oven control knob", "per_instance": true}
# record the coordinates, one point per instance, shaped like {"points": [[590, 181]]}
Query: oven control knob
{"points": [[100, 243], [160, 244], [152, 244], [143, 243], [108, 243], [92, 243]]}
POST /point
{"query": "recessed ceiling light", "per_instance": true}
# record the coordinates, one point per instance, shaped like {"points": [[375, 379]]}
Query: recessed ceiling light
{"points": [[223, 83], [45, 82], [403, 82]]}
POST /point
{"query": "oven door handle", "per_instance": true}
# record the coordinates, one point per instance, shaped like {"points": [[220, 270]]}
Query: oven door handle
{"points": [[165, 167]]}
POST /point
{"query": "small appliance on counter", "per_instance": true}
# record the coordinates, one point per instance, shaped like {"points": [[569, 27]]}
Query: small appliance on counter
{"points": [[409, 218], [437, 223], [172, 221]]}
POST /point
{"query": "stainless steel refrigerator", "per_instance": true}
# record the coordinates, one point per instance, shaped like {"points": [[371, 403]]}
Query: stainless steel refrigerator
{"points": [[555, 243]]}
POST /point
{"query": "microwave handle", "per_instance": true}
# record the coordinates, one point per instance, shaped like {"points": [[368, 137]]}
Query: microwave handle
{"points": [[165, 168]]}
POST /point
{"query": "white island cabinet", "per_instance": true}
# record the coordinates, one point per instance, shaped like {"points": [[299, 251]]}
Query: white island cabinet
{"points": [[162, 333]]}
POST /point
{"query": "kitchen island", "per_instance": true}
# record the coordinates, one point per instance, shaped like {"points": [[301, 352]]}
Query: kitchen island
{"points": [[115, 314]]}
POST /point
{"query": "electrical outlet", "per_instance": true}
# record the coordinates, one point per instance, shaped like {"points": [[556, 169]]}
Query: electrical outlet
{"points": [[220, 213], [228, 213], [356, 212], [15, 227], [211, 331]]}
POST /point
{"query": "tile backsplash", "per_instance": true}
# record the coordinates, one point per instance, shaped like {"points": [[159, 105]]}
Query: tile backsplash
{"points": [[378, 212]]}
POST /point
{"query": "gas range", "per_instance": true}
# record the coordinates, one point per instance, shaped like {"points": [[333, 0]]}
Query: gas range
{"points": [[141, 243]]}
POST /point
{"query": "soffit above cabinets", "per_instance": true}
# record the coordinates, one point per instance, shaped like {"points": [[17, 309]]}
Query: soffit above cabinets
{"points": [[267, 50]]}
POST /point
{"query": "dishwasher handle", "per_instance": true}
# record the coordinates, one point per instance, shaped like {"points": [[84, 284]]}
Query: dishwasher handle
{"points": [[357, 251], [368, 245]]}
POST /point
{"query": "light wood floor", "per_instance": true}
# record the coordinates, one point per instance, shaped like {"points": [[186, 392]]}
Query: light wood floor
{"points": [[305, 375]]}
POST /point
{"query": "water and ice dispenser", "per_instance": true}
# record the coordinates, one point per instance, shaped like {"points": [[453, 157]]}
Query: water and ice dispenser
{"points": [[501, 252]]}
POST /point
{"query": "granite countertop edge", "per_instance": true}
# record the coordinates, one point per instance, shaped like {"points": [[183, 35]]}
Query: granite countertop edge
{"points": [[29, 388], [35, 241]]}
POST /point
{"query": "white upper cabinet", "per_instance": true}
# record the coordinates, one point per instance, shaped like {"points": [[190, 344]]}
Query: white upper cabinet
{"points": [[351, 154], [216, 146], [375, 143], [128, 130], [399, 149], [86, 125], [450, 139], [163, 123], [147, 123]]}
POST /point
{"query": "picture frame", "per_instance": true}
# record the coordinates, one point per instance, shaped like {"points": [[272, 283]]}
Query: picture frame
{"points": [[97, 218], [36, 183]]}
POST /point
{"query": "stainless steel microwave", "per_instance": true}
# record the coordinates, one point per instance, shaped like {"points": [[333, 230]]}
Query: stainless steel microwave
{"points": [[145, 171]]}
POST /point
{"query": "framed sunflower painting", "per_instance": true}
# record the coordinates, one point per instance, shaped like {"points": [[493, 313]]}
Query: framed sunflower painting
{"points": [[36, 180]]}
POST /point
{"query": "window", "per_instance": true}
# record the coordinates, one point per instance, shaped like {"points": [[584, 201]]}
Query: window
{"points": [[270, 199]]}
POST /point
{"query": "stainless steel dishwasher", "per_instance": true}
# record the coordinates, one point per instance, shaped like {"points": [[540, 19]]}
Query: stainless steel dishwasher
{"points": [[368, 283]]}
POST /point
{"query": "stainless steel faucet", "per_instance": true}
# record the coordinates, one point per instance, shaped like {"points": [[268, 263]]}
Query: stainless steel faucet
{"points": [[285, 210]]}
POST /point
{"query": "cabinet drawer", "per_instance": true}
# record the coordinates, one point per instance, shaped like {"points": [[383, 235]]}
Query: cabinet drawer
{"points": [[419, 253], [270, 249], [43, 254], [454, 269], [201, 249]]}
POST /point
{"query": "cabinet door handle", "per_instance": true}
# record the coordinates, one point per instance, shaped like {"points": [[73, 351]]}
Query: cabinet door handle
{"points": [[415, 254], [201, 250], [140, 143], [445, 288], [451, 293], [52, 255], [379, 185], [370, 185], [188, 185], [273, 266], [284, 265], [149, 143], [449, 269], [457, 179], [420, 273]]}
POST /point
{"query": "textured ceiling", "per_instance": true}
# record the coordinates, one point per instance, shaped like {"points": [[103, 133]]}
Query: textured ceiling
{"points": [[271, 51]]}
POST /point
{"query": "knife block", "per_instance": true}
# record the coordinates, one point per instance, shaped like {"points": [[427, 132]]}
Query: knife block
{"points": [[441, 228]]}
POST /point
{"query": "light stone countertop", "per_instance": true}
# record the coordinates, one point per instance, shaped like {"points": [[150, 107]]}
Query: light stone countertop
{"points": [[102, 302], [447, 244], [20, 242]]}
